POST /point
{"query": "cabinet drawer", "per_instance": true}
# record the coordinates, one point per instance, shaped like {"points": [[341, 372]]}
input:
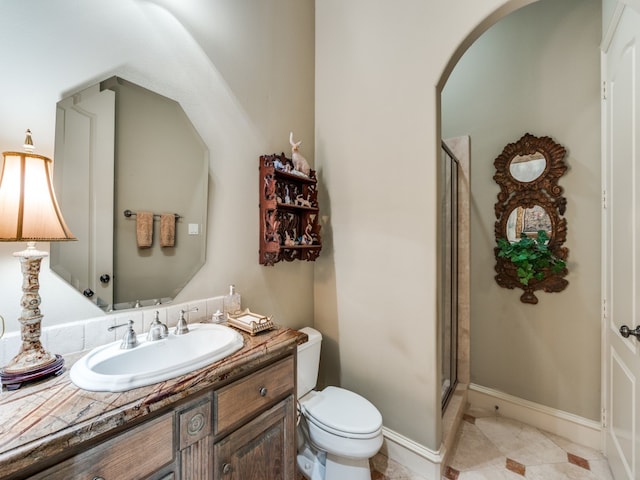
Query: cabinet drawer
{"points": [[137, 453], [250, 395]]}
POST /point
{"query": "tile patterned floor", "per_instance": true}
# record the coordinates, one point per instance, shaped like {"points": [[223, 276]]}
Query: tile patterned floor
{"points": [[492, 447], [383, 468]]}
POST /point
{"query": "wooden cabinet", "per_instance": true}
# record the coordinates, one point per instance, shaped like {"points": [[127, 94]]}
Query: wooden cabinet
{"points": [[262, 449], [242, 430], [289, 228], [145, 451]]}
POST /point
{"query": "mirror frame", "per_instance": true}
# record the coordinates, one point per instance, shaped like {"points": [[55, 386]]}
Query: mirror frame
{"points": [[543, 191]]}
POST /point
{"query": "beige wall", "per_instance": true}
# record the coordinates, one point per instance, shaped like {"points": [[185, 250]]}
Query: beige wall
{"points": [[242, 71], [535, 71], [377, 143]]}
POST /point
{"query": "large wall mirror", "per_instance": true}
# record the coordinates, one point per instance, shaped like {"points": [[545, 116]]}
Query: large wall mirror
{"points": [[121, 149], [530, 206]]}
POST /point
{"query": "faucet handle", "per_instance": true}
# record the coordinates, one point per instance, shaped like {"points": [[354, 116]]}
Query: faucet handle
{"points": [[182, 326], [129, 340]]}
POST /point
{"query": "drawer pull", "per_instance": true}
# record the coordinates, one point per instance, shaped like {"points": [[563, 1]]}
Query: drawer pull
{"points": [[263, 391], [98, 478], [226, 468]]}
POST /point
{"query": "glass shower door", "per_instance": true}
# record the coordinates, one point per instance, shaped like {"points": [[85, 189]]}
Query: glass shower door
{"points": [[449, 273]]}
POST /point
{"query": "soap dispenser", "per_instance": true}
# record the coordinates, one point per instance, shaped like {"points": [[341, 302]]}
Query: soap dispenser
{"points": [[231, 302]]}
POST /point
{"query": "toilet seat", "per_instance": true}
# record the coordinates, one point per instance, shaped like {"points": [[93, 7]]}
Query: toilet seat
{"points": [[342, 413]]}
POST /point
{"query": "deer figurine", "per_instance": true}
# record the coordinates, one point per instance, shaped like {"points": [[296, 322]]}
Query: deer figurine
{"points": [[299, 162]]}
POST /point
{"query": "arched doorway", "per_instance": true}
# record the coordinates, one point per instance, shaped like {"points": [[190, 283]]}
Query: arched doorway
{"points": [[500, 89]]}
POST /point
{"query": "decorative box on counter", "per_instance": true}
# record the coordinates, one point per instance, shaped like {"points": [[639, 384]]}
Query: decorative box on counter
{"points": [[249, 322]]}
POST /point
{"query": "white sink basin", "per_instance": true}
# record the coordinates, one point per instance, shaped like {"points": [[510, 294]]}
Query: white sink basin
{"points": [[112, 369]]}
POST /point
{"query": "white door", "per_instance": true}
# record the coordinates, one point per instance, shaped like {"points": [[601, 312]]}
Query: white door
{"points": [[84, 151], [621, 240]]}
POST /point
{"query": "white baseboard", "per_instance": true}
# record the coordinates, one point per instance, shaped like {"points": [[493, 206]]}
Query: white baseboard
{"points": [[577, 429], [412, 455]]}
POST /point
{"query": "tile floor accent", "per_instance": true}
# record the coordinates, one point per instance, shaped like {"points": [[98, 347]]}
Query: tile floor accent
{"points": [[492, 447]]}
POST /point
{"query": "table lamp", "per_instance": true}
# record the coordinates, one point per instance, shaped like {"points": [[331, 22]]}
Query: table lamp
{"points": [[29, 213]]}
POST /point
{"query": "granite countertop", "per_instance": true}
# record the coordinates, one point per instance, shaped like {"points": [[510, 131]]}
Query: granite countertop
{"points": [[43, 419]]}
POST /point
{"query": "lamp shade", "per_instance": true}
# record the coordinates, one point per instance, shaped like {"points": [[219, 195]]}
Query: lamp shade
{"points": [[28, 207]]}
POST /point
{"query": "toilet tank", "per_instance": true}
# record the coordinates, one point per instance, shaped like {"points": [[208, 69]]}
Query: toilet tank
{"points": [[308, 361]]}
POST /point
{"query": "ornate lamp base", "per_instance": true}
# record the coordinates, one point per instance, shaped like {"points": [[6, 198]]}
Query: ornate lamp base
{"points": [[33, 362], [13, 381]]}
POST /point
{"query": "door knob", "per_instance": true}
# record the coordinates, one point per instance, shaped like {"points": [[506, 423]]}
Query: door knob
{"points": [[626, 331]]}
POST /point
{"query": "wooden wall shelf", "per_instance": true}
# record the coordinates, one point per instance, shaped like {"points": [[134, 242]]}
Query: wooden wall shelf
{"points": [[289, 212]]}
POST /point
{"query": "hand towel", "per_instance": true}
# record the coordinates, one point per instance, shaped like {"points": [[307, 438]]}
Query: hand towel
{"points": [[167, 230], [144, 229]]}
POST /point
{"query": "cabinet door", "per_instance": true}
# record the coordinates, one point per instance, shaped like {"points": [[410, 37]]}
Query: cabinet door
{"points": [[263, 449]]}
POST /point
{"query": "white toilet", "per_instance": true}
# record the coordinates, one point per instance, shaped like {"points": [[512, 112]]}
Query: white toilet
{"points": [[339, 430]]}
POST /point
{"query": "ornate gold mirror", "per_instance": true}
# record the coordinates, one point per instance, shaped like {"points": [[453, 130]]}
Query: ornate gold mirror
{"points": [[530, 228]]}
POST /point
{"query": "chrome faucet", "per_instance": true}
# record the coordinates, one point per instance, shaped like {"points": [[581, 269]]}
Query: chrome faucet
{"points": [[157, 329], [129, 340], [182, 327]]}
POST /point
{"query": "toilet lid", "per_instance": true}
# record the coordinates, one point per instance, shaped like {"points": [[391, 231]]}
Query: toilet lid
{"points": [[343, 412]]}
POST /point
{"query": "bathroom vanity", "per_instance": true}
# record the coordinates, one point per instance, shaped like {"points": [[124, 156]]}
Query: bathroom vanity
{"points": [[234, 419]]}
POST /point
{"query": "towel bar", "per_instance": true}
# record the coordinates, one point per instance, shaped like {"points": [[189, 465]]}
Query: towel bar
{"points": [[128, 213]]}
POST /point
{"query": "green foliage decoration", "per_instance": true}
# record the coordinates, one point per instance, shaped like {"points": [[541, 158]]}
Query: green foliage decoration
{"points": [[530, 256]]}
